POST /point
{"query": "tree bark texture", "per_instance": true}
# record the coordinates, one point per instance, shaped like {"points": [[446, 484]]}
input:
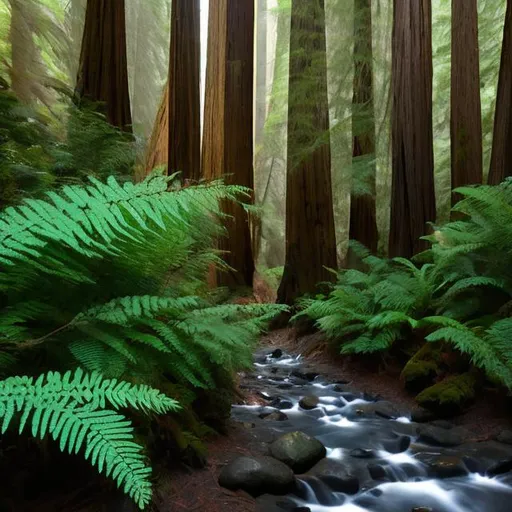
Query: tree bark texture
{"points": [[363, 222], [158, 147], [466, 110], [310, 235], [103, 75], [184, 144], [413, 202], [501, 155], [228, 125]]}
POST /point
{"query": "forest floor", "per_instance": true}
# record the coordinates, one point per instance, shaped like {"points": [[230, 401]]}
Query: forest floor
{"points": [[196, 491]]}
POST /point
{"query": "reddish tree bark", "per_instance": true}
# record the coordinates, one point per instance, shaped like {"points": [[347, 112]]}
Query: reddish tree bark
{"points": [[310, 235], [413, 202], [501, 156], [228, 125], [103, 74], [466, 111], [363, 222], [184, 145]]}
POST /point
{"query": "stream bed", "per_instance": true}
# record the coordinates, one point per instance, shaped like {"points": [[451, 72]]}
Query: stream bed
{"points": [[377, 459]]}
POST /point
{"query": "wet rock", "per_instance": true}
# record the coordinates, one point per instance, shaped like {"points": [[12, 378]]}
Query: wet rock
{"points": [[269, 503], [281, 404], [377, 472], [399, 445], [307, 376], [309, 402], [385, 410], [422, 509], [500, 468], [257, 475], [421, 370], [336, 476], [360, 453], [298, 451], [505, 436], [248, 425], [349, 397], [276, 354], [323, 492], [443, 466], [439, 436], [265, 396], [421, 415], [285, 385], [274, 416]]}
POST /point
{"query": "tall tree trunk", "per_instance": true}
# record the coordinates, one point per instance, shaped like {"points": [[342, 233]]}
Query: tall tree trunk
{"points": [[413, 201], [501, 156], [261, 72], [228, 124], [103, 74], [466, 110], [184, 145], [310, 235], [363, 222]]}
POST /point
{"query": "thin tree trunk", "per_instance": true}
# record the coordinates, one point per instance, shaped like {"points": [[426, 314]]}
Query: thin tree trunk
{"points": [[228, 125], [158, 148], [103, 75], [501, 156], [413, 202], [310, 235], [466, 111], [363, 222], [184, 103]]}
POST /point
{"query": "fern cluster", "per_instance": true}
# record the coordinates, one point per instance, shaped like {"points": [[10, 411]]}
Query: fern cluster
{"points": [[111, 278], [459, 292]]}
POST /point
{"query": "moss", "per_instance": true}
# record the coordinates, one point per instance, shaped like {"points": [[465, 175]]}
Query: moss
{"points": [[451, 394], [423, 367]]}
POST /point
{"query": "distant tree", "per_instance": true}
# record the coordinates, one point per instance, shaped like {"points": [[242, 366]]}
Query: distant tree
{"points": [[413, 202], [228, 125], [184, 146], [102, 74], [310, 235], [363, 222], [501, 156], [466, 111]]}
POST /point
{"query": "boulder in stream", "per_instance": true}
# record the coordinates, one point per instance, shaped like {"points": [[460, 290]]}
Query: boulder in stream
{"points": [[276, 354], [257, 475], [336, 476], [298, 451], [440, 436], [505, 436], [309, 402]]}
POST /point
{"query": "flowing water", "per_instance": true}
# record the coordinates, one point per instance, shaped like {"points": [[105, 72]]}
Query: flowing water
{"points": [[396, 472]]}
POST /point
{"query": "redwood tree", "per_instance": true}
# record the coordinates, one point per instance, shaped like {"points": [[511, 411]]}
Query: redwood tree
{"points": [[228, 124], [363, 222], [184, 105], [310, 235], [102, 74], [413, 195], [466, 111], [501, 156]]}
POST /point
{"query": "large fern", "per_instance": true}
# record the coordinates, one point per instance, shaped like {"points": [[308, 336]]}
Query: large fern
{"points": [[79, 411]]}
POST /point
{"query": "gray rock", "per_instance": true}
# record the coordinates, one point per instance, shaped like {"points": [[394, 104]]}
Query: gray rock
{"points": [[309, 402], [257, 475], [443, 466], [399, 445], [377, 472], [269, 503], [505, 436], [336, 476], [383, 409], [298, 451], [440, 436], [277, 353], [421, 415], [443, 424], [274, 416], [360, 453], [500, 468], [422, 509]]}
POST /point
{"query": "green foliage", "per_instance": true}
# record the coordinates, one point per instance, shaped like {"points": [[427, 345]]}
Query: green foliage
{"points": [[458, 296], [110, 277], [75, 410]]}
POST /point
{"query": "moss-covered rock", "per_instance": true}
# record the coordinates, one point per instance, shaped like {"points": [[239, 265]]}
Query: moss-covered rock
{"points": [[422, 368], [450, 395]]}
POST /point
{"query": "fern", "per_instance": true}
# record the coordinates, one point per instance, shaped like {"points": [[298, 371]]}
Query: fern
{"points": [[73, 410]]}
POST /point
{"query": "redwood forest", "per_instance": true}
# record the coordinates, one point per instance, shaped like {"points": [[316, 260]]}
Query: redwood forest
{"points": [[256, 255]]}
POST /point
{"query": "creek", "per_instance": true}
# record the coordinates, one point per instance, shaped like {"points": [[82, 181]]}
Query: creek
{"points": [[378, 459]]}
